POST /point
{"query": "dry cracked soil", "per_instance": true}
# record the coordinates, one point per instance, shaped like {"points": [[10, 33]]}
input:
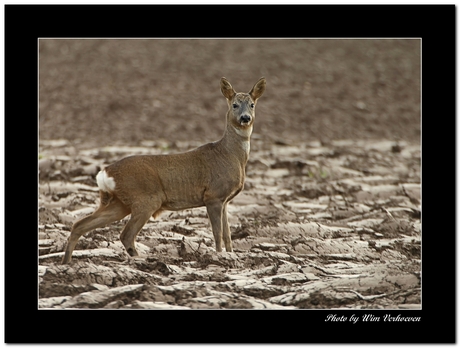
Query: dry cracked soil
{"points": [[330, 214]]}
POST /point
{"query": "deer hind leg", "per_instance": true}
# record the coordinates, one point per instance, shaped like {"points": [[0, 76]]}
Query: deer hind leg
{"points": [[226, 230], [215, 210], [110, 210], [138, 219]]}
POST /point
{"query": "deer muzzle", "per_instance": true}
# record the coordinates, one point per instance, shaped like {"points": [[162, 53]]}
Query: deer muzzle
{"points": [[245, 119]]}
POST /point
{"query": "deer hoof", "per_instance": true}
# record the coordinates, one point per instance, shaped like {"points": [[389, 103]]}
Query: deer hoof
{"points": [[132, 252]]}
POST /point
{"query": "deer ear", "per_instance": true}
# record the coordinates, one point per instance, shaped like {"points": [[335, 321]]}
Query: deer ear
{"points": [[226, 88], [258, 89]]}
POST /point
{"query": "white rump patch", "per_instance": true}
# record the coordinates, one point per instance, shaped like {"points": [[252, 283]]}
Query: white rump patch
{"points": [[105, 182]]}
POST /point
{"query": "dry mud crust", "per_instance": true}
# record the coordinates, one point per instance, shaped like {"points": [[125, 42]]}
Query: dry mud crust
{"points": [[312, 229], [330, 213]]}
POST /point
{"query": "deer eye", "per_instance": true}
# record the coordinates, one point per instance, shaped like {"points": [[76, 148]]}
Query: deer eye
{"points": [[252, 105], [235, 105]]}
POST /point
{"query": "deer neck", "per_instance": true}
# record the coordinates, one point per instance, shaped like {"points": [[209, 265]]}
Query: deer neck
{"points": [[236, 141]]}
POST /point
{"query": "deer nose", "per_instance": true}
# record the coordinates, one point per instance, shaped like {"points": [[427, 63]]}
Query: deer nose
{"points": [[245, 119]]}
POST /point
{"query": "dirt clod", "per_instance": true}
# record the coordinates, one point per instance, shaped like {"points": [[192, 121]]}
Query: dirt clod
{"points": [[330, 214]]}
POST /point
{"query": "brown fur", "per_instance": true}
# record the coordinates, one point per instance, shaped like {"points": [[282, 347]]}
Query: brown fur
{"points": [[210, 175]]}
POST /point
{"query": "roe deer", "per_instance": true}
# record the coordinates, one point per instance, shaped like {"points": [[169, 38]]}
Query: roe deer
{"points": [[210, 175]]}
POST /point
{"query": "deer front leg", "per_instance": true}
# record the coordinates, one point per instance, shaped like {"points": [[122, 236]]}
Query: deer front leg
{"points": [[226, 230], [215, 209]]}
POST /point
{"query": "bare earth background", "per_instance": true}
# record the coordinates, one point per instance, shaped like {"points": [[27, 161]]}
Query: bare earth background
{"points": [[330, 214]]}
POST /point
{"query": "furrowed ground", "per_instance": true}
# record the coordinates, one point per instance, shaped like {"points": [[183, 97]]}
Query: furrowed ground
{"points": [[330, 213]]}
